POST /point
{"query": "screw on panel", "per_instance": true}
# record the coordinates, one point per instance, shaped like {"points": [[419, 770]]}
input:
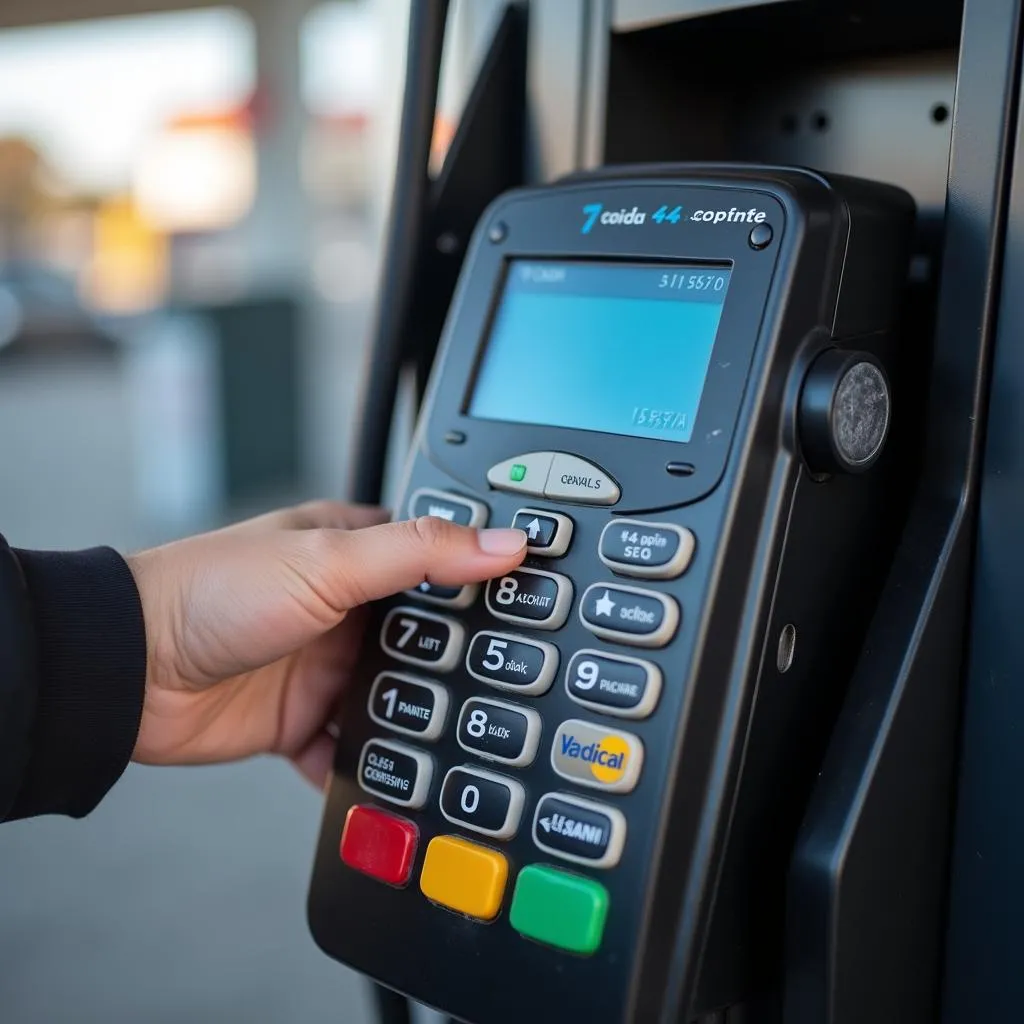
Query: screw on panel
{"points": [[447, 243]]}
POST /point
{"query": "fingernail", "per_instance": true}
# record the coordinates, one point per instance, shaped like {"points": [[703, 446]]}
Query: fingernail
{"points": [[501, 542]]}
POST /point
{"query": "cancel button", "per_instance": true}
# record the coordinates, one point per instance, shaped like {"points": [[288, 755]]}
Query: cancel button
{"points": [[574, 479]]}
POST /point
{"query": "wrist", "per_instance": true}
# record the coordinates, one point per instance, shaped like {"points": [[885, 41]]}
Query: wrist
{"points": [[160, 676]]}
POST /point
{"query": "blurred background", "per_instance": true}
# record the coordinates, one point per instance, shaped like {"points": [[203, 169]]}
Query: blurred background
{"points": [[191, 206]]}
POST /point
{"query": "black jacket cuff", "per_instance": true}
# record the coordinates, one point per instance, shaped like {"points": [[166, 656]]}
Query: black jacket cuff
{"points": [[91, 676]]}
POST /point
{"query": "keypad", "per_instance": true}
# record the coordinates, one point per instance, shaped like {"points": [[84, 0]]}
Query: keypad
{"points": [[422, 638], [579, 830], [530, 597], [511, 662], [612, 684], [659, 551], [416, 707], [555, 475], [453, 507], [592, 755], [643, 618], [562, 909], [498, 731], [482, 801], [396, 772], [547, 533]]}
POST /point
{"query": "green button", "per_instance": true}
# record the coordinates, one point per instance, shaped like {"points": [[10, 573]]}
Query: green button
{"points": [[559, 909], [517, 472]]}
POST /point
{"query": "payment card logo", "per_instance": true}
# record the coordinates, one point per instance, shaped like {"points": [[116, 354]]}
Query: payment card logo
{"points": [[607, 758]]}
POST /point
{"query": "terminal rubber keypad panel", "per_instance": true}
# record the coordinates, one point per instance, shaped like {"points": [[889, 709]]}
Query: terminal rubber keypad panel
{"points": [[488, 695]]}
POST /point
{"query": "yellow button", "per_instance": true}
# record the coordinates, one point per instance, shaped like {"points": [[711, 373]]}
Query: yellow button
{"points": [[463, 876]]}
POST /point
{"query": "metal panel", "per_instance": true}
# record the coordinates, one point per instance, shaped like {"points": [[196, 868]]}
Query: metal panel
{"points": [[556, 73], [595, 84], [868, 881], [889, 120], [984, 980], [635, 14]]}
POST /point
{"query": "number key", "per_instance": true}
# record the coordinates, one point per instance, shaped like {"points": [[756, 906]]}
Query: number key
{"points": [[413, 706], [423, 638], [498, 731], [482, 801], [613, 684], [531, 597], [511, 662]]}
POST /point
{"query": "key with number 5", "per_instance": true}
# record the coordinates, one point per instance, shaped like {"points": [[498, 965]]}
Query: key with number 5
{"points": [[511, 662]]}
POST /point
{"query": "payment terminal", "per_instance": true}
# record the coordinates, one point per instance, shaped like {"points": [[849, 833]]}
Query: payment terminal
{"points": [[568, 795]]}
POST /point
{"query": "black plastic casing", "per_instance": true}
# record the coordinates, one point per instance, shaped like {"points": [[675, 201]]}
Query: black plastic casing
{"points": [[696, 901]]}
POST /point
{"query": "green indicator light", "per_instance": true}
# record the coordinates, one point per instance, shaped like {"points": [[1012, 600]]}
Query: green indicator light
{"points": [[517, 472]]}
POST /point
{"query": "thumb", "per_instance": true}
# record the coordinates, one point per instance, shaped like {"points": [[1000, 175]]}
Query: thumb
{"points": [[226, 603], [346, 568]]}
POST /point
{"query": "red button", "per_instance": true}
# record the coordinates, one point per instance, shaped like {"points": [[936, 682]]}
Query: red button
{"points": [[379, 844]]}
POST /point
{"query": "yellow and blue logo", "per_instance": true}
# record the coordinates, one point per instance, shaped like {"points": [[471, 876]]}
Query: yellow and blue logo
{"points": [[607, 757]]}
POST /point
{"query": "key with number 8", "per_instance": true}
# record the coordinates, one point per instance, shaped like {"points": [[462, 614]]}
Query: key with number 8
{"points": [[532, 597], [492, 729]]}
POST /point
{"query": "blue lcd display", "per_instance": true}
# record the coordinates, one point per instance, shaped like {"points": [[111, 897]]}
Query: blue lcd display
{"points": [[615, 348]]}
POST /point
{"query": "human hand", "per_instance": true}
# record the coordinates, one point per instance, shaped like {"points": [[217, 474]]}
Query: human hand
{"points": [[252, 632]]}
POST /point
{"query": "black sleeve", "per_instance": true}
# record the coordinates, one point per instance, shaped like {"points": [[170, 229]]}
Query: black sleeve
{"points": [[84, 648], [17, 678]]}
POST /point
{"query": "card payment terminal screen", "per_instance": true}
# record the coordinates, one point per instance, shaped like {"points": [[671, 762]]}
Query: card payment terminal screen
{"points": [[611, 347]]}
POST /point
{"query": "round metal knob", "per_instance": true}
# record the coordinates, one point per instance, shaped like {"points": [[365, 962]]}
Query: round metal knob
{"points": [[845, 408]]}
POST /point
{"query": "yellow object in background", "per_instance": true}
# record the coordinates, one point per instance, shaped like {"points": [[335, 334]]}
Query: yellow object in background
{"points": [[464, 876], [128, 271]]}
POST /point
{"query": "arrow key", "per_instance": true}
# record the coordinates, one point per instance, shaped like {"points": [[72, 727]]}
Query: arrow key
{"points": [[583, 831], [548, 533]]}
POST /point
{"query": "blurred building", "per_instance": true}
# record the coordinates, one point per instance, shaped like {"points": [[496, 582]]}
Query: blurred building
{"points": [[203, 191]]}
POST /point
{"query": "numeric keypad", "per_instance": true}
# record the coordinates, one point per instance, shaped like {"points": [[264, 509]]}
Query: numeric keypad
{"points": [[506, 734]]}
